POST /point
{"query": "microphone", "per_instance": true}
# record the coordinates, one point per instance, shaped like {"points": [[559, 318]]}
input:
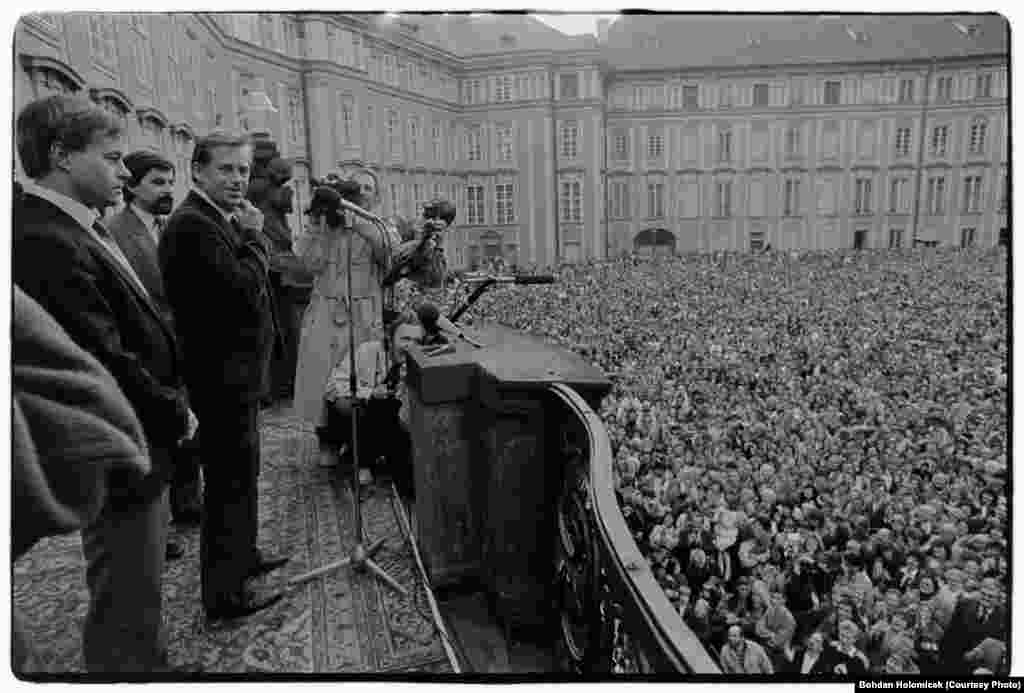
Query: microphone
{"points": [[513, 279], [434, 324], [530, 279], [328, 199]]}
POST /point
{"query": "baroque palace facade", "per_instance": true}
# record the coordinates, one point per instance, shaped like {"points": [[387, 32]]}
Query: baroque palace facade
{"points": [[680, 133]]}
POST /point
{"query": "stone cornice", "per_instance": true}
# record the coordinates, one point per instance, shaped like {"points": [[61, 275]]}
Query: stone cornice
{"points": [[31, 63]]}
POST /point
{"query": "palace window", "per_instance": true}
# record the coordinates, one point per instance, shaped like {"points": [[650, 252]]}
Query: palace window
{"points": [[833, 91], [619, 200], [967, 237], [723, 199], [691, 97], [655, 200], [983, 86], [346, 111], [906, 91], [475, 205], [791, 198], [944, 88], [504, 88], [725, 145], [620, 147], [936, 194], [504, 211], [862, 196], [474, 151], [655, 146], [902, 142], [760, 94], [972, 194], [940, 138], [570, 139], [504, 137], [895, 238], [898, 195], [570, 200], [979, 128], [394, 133], [569, 86]]}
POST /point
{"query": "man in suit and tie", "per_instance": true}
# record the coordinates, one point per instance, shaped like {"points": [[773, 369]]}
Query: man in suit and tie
{"points": [[974, 620], [149, 195], [214, 259], [66, 260]]}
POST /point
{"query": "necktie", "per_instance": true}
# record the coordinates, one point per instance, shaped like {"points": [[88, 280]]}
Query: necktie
{"points": [[158, 229], [114, 249]]}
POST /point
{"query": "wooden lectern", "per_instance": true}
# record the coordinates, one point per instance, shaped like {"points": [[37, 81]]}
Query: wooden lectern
{"points": [[486, 465]]}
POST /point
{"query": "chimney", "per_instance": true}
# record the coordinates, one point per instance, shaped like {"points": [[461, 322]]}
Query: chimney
{"points": [[602, 29]]}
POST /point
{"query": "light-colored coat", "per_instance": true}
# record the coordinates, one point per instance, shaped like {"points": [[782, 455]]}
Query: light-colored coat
{"points": [[324, 339], [753, 661]]}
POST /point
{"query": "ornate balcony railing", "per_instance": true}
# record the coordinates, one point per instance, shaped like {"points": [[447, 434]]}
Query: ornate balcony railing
{"points": [[615, 617]]}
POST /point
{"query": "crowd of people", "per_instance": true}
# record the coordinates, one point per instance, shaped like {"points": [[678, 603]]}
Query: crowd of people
{"points": [[810, 447]]}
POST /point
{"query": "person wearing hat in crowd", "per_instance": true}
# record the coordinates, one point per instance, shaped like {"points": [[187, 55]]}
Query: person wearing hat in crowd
{"points": [[149, 198]]}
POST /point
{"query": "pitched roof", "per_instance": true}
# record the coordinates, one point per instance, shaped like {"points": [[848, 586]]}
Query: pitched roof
{"points": [[658, 42], [468, 35]]}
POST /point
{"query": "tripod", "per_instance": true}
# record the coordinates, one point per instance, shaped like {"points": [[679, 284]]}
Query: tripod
{"points": [[361, 558]]}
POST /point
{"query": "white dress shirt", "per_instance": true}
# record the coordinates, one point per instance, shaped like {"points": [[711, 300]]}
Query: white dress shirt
{"points": [[149, 221], [86, 218]]}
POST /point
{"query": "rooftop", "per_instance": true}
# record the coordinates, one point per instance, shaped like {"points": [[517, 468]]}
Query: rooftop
{"points": [[665, 41]]}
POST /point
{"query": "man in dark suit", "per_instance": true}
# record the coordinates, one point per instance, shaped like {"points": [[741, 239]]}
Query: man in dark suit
{"points": [[70, 264], [149, 195], [214, 259], [973, 621]]}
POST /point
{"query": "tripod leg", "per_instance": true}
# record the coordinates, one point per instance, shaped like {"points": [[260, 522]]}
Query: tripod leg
{"points": [[330, 567], [379, 572]]}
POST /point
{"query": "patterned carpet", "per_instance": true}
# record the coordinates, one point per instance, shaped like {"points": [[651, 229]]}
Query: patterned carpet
{"points": [[343, 623]]}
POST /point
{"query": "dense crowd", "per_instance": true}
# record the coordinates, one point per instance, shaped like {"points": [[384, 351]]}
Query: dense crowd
{"points": [[809, 447]]}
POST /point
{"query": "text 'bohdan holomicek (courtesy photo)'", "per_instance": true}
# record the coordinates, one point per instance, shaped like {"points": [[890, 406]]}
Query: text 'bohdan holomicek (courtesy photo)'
{"points": [[948, 685]]}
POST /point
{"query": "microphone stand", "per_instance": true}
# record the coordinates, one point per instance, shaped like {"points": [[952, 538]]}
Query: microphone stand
{"points": [[361, 557]]}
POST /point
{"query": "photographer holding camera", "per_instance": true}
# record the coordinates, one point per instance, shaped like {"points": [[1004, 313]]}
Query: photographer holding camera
{"points": [[324, 246]]}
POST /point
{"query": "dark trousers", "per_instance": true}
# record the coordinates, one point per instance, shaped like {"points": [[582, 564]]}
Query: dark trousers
{"points": [[230, 450], [185, 485], [124, 553], [381, 435]]}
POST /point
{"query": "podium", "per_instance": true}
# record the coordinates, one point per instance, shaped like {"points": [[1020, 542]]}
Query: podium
{"points": [[487, 468]]}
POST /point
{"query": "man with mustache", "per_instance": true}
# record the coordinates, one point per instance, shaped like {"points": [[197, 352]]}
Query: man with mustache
{"points": [[149, 198]]}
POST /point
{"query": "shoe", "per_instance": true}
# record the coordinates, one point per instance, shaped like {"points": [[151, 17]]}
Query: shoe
{"points": [[241, 605], [267, 565], [173, 551]]}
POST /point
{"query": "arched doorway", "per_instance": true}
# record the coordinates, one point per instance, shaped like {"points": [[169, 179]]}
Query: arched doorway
{"points": [[655, 243]]}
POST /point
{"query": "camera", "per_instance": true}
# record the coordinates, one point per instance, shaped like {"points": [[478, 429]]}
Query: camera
{"points": [[439, 210], [326, 194]]}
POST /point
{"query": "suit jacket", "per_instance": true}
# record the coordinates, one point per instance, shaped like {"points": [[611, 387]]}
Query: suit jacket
{"points": [[823, 666], [218, 289], [138, 246], [966, 631], [75, 279]]}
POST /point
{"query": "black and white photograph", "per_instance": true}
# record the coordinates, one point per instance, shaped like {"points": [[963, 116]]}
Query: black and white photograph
{"points": [[622, 346]]}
